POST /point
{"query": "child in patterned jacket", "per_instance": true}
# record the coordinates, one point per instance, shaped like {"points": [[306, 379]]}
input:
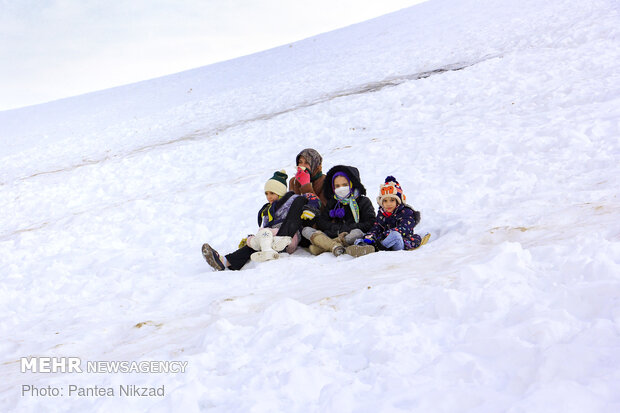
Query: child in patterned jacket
{"points": [[393, 228]]}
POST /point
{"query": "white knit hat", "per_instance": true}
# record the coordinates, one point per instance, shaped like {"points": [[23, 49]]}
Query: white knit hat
{"points": [[391, 189], [277, 183]]}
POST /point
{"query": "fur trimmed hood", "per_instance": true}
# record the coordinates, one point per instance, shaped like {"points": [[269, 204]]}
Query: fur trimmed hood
{"points": [[352, 173]]}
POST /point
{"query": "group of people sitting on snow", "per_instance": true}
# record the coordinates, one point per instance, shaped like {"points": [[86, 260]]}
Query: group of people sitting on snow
{"points": [[326, 213]]}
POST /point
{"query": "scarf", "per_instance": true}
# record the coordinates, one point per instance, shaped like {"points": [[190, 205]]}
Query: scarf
{"points": [[350, 200], [316, 176], [266, 215], [274, 214]]}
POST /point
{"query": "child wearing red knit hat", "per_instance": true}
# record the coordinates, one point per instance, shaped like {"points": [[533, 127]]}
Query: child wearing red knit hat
{"points": [[393, 228]]}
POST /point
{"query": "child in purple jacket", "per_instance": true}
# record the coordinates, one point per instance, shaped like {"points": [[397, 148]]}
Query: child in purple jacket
{"points": [[393, 228]]}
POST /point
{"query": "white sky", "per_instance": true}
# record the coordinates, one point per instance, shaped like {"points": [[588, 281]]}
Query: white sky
{"points": [[50, 49]]}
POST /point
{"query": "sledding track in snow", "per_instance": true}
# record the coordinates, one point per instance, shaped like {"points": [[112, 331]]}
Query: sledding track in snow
{"points": [[370, 87]]}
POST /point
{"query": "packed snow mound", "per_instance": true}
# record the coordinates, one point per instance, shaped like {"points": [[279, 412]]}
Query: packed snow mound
{"points": [[500, 120]]}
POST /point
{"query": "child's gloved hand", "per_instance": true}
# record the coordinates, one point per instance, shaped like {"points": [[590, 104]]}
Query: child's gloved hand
{"points": [[307, 214], [243, 243], [314, 203], [368, 240], [302, 176]]}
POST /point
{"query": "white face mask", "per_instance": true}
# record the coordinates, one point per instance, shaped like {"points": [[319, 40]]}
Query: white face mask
{"points": [[342, 192]]}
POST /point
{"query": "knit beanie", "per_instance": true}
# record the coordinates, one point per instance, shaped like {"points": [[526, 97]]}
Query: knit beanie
{"points": [[391, 189], [277, 183]]}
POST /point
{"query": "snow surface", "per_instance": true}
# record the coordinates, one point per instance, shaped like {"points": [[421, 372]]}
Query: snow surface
{"points": [[501, 120]]}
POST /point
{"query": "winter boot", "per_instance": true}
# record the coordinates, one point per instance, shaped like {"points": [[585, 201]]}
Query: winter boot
{"points": [[253, 243], [314, 250], [353, 236], [213, 258], [359, 250], [281, 242], [266, 253], [321, 240]]}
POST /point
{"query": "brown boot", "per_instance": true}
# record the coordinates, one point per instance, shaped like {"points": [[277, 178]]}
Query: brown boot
{"points": [[341, 237], [321, 240], [359, 250], [314, 250]]}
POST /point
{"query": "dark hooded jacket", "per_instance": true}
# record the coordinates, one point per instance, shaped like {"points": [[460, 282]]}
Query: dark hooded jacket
{"points": [[334, 226], [272, 215]]}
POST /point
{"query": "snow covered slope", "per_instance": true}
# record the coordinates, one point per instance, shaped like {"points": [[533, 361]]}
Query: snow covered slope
{"points": [[500, 119]]}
